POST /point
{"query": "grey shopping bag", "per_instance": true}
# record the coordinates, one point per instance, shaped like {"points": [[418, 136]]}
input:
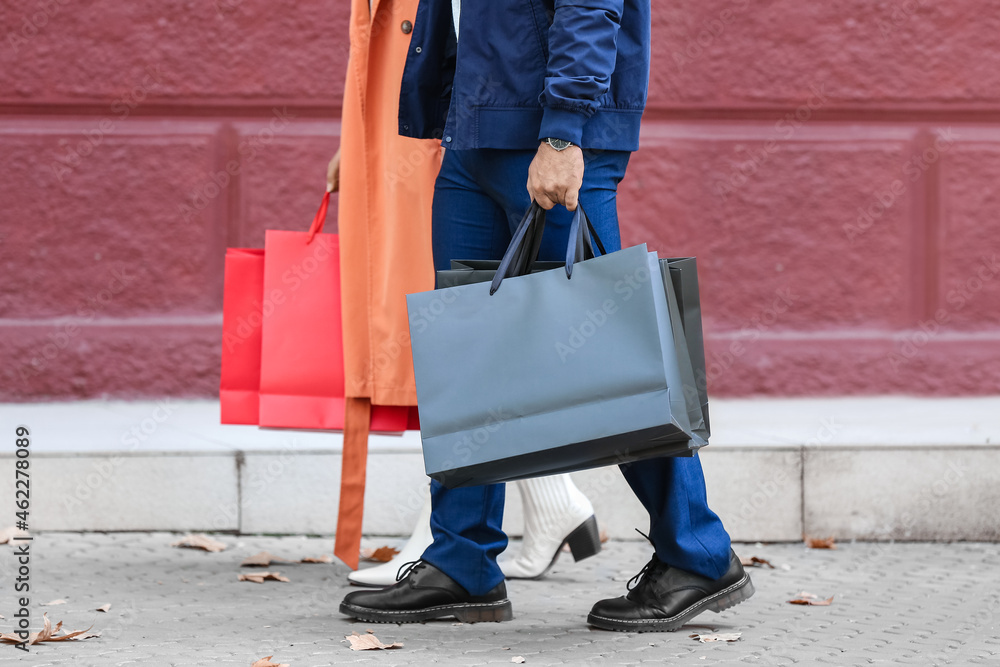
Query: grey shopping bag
{"points": [[680, 282], [548, 372]]}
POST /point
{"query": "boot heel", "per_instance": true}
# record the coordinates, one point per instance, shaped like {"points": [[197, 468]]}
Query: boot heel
{"points": [[733, 598], [497, 614], [585, 540]]}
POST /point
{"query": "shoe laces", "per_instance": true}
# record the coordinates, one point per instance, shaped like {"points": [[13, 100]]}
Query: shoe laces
{"points": [[646, 569], [405, 569], [650, 571]]}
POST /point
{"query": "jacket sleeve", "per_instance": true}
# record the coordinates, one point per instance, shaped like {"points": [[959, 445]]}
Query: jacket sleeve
{"points": [[582, 52]]}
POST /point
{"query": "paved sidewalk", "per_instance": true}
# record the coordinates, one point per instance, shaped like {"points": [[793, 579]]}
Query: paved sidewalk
{"points": [[894, 604]]}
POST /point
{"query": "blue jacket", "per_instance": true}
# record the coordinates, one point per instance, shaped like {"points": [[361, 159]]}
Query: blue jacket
{"points": [[526, 70]]}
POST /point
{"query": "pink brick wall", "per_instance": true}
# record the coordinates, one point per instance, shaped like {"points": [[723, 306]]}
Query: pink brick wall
{"points": [[772, 129]]}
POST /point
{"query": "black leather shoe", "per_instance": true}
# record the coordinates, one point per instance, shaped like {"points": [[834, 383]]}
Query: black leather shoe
{"points": [[426, 592], [666, 598]]}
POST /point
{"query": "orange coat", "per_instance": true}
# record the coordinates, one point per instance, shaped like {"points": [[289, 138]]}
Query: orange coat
{"points": [[386, 187], [384, 222]]}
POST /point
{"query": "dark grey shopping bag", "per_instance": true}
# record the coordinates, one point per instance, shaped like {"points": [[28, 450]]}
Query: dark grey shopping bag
{"points": [[680, 282], [550, 373]]}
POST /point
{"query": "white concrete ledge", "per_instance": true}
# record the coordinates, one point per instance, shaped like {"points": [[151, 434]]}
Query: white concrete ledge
{"points": [[866, 468]]}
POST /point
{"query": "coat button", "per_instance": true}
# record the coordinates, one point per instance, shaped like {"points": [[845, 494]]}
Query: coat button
{"points": [[406, 27], [418, 49]]}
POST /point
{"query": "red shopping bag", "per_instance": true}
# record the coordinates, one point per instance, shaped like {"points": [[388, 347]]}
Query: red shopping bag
{"points": [[242, 316], [301, 368], [302, 347]]}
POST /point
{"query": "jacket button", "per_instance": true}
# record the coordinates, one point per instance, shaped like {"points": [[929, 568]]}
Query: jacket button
{"points": [[418, 49], [406, 27]]}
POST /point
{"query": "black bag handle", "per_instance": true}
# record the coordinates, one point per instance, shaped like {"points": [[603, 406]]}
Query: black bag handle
{"points": [[579, 247], [522, 252]]}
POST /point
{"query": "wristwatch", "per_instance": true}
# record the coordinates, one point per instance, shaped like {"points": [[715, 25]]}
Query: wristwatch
{"points": [[558, 144]]}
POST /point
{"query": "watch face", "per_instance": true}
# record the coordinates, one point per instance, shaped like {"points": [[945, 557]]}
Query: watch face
{"points": [[559, 144]]}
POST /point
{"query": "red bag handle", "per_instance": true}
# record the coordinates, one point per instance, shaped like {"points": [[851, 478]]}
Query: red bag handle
{"points": [[320, 219]]}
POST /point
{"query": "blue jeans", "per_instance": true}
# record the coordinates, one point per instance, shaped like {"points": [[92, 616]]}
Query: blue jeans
{"points": [[479, 198]]}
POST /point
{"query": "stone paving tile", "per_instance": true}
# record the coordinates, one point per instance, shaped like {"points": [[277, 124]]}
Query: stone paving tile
{"points": [[894, 604]]}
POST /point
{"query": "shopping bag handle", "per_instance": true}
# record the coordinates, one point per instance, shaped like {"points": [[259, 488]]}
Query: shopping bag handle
{"points": [[579, 247], [317, 224], [522, 252]]}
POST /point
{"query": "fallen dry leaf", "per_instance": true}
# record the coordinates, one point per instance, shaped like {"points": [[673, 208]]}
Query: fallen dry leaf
{"points": [[199, 541], [719, 637], [266, 662], [810, 599], [368, 642], [8, 534], [263, 559], [105, 607], [261, 577], [820, 543], [48, 634], [518, 659], [380, 555], [53, 603], [325, 558], [753, 561]]}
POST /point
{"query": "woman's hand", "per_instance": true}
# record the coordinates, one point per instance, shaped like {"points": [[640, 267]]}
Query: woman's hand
{"points": [[333, 173]]}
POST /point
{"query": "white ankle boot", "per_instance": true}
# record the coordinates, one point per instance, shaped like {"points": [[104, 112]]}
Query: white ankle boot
{"points": [[555, 513], [385, 574]]}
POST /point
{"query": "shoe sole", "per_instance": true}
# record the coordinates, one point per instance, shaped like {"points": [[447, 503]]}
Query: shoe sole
{"points": [[469, 612], [584, 542], [724, 599]]}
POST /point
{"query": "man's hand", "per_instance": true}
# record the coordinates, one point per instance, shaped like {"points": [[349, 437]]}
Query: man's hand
{"points": [[555, 177], [333, 173]]}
